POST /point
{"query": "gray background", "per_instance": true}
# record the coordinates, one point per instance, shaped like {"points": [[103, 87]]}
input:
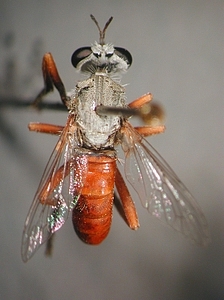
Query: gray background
{"points": [[177, 48]]}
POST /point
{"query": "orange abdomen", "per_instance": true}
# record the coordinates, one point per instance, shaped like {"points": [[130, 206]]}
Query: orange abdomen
{"points": [[92, 215]]}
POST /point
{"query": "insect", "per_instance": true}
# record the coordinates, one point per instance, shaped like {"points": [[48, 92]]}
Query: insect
{"points": [[84, 167]]}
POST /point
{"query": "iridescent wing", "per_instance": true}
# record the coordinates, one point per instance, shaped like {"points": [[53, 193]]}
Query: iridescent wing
{"points": [[160, 190], [57, 194]]}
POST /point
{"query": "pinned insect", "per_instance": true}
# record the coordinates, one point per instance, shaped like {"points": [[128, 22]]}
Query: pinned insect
{"points": [[83, 169]]}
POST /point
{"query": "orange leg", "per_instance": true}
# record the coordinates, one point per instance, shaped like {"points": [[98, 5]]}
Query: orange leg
{"points": [[150, 130], [127, 202], [51, 184], [45, 128], [57, 129], [138, 103], [158, 113], [51, 79]]}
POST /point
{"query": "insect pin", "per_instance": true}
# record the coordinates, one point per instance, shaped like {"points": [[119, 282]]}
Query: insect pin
{"points": [[83, 169]]}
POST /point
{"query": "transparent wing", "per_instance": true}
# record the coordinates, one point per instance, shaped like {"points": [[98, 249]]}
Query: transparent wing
{"points": [[160, 190], [57, 194]]}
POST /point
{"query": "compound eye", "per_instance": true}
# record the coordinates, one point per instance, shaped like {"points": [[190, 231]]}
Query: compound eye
{"points": [[108, 55], [80, 54], [97, 55], [123, 53]]}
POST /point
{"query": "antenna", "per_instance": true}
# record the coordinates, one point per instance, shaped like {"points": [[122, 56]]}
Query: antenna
{"points": [[102, 32]]}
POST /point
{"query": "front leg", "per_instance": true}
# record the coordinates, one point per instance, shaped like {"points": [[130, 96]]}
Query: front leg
{"points": [[51, 79]]}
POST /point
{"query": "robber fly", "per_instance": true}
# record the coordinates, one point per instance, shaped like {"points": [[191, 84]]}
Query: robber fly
{"points": [[83, 169]]}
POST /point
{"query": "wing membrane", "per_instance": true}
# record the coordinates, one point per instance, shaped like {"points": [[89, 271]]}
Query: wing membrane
{"points": [[57, 194], [160, 190]]}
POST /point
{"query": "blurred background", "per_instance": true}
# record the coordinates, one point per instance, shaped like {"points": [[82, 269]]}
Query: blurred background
{"points": [[177, 49]]}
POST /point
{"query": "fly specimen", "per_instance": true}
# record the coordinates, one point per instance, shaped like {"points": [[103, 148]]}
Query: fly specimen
{"points": [[83, 168]]}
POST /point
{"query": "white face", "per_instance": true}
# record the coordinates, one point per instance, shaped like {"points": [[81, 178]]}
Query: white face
{"points": [[101, 58]]}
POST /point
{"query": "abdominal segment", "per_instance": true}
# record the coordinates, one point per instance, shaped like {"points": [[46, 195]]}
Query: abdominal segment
{"points": [[92, 215]]}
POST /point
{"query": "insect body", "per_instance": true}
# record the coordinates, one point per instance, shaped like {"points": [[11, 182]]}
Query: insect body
{"points": [[83, 168]]}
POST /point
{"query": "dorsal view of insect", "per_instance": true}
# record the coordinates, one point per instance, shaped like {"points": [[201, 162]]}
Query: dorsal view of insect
{"points": [[85, 168]]}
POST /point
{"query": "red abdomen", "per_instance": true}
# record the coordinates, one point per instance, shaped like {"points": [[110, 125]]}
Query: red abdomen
{"points": [[93, 213]]}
